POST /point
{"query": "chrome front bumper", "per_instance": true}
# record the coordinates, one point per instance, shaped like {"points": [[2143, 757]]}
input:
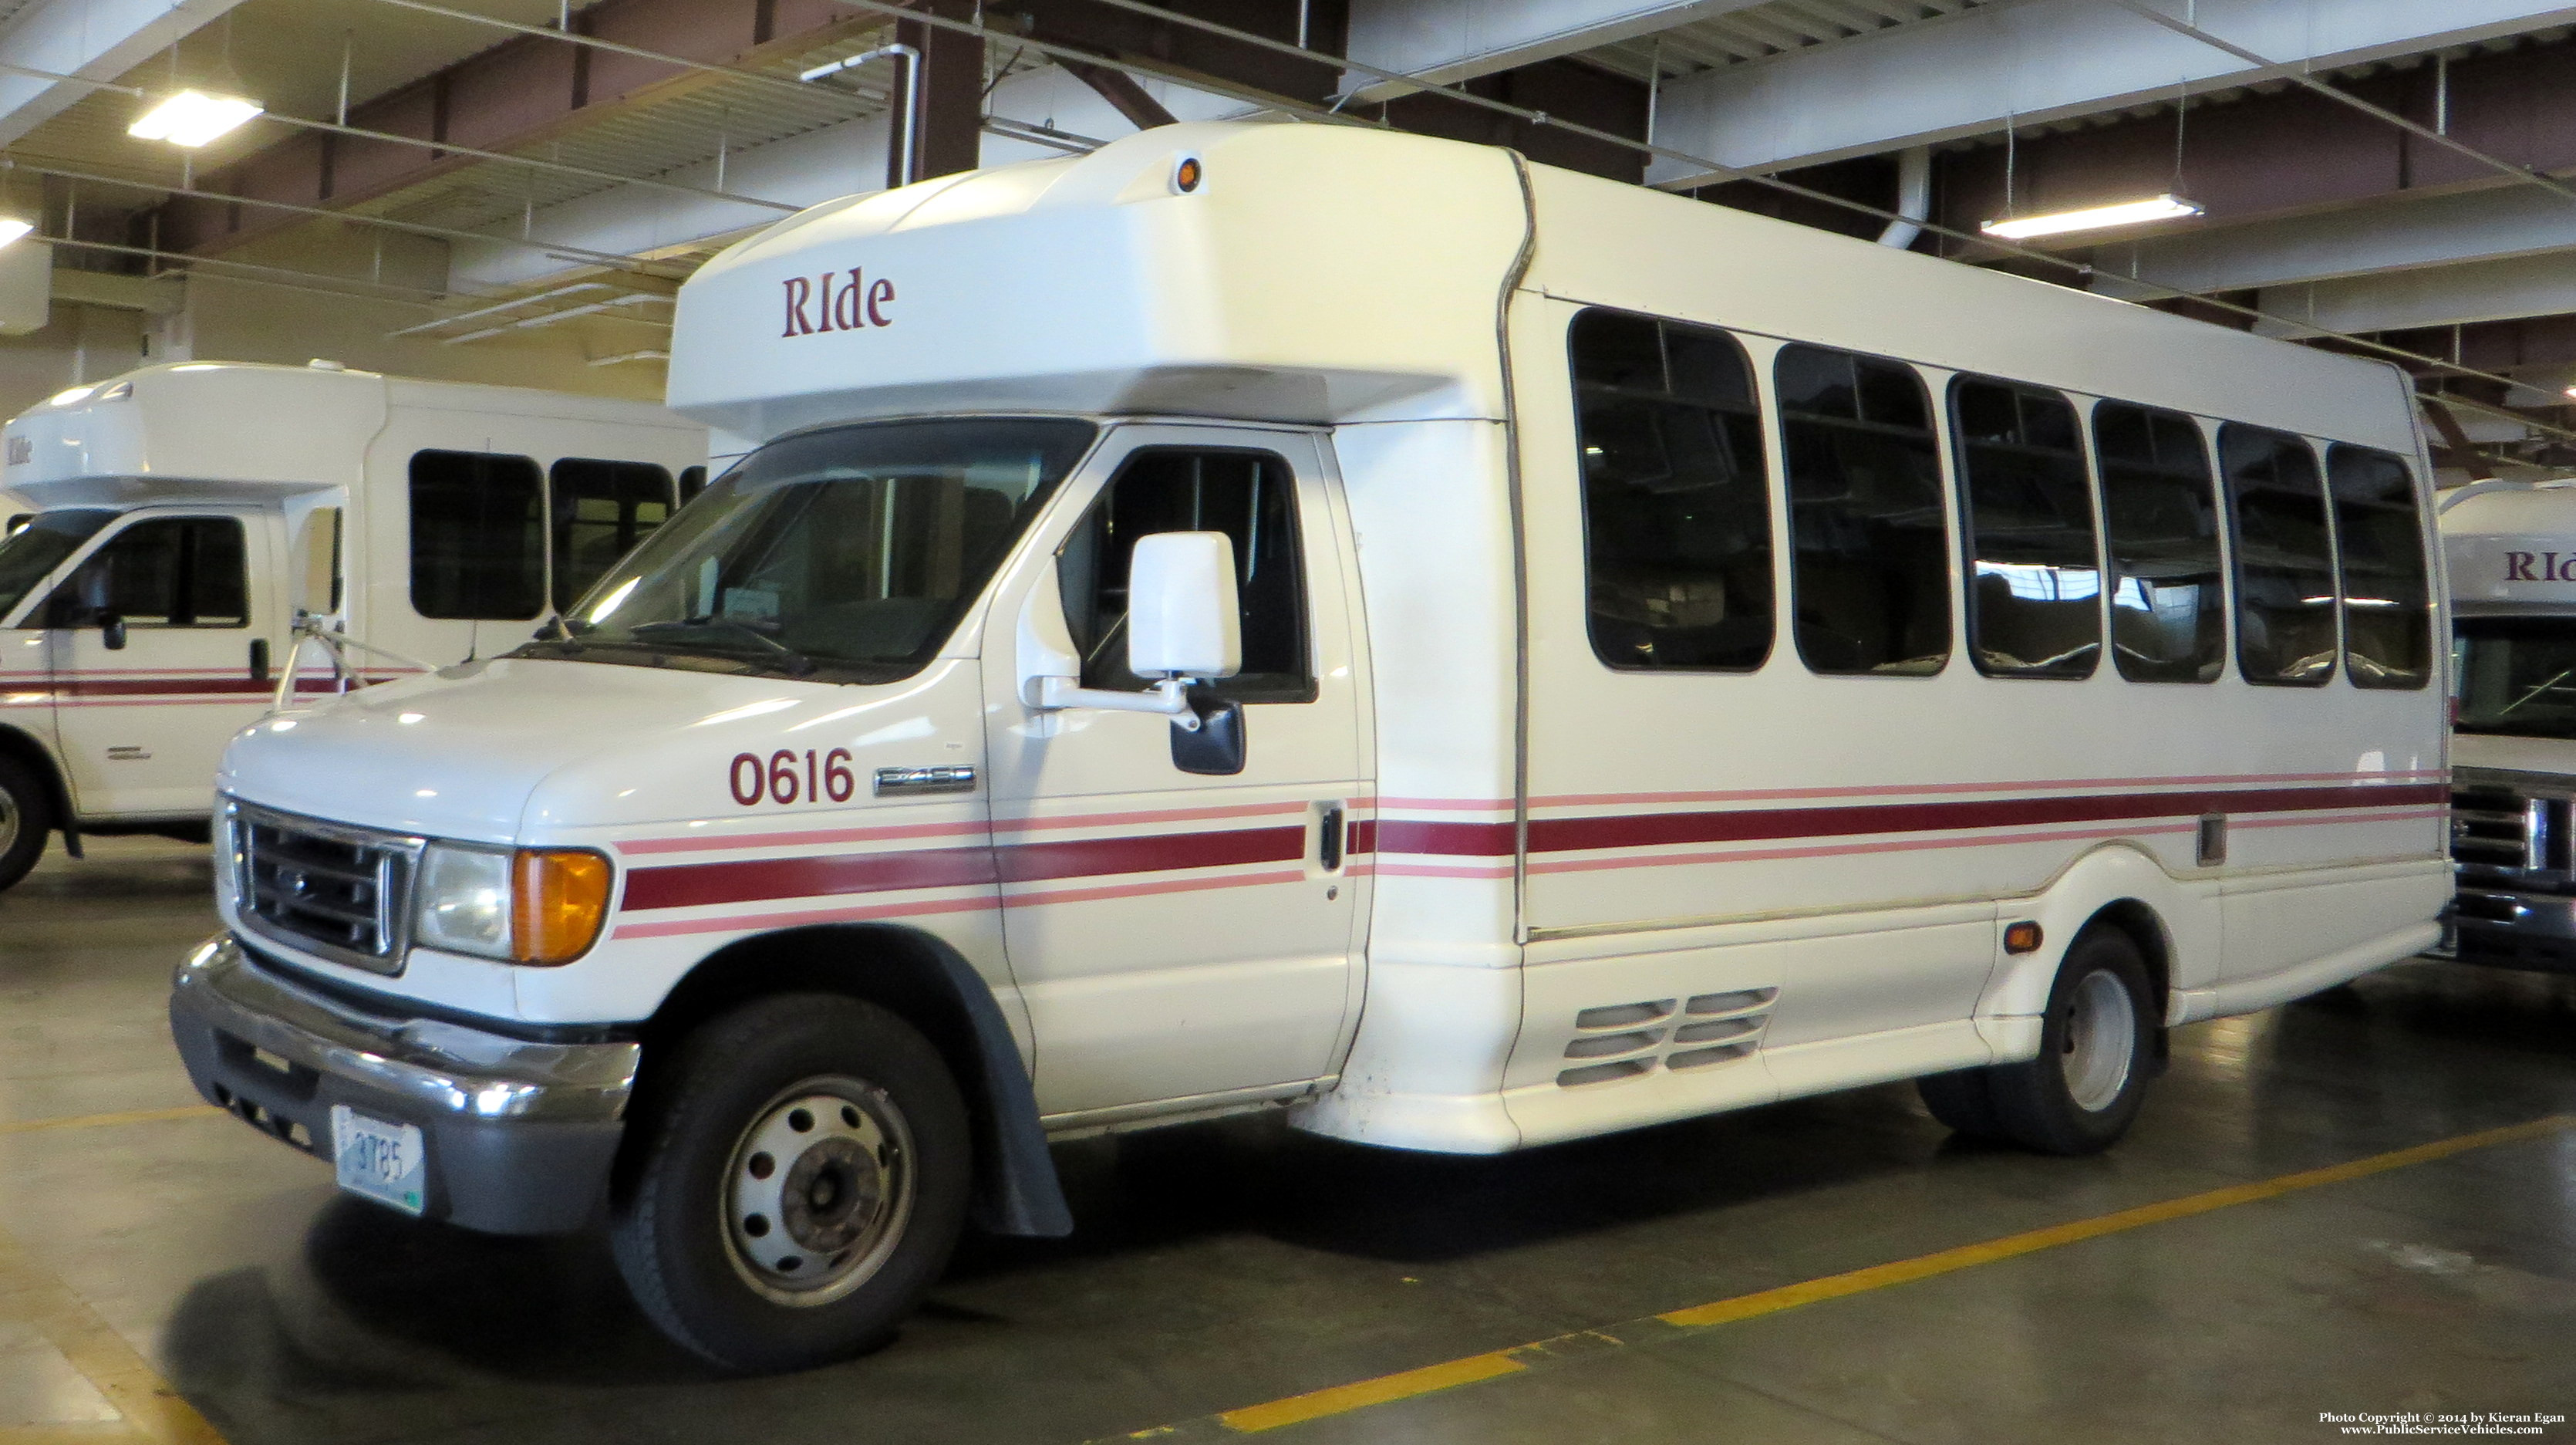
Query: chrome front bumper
{"points": [[520, 1134]]}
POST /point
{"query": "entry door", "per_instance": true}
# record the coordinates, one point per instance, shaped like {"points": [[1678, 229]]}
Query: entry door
{"points": [[1180, 935], [141, 727]]}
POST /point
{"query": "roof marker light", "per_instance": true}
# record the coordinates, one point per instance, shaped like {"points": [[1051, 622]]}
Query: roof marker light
{"points": [[2093, 218], [1187, 174], [192, 118]]}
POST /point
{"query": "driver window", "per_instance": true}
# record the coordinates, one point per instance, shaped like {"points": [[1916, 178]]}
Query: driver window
{"points": [[161, 572], [1249, 496]]}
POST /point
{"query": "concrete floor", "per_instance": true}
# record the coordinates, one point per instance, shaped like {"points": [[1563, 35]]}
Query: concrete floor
{"points": [[1225, 1266]]}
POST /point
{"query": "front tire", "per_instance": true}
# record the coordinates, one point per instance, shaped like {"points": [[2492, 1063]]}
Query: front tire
{"points": [[795, 1185], [2097, 1048], [26, 816]]}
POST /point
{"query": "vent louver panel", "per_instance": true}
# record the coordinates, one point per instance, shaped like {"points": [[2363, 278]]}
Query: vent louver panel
{"points": [[1712, 1028]]}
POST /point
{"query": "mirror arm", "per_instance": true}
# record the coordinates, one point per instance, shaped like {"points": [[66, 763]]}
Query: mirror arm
{"points": [[1170, 697]]}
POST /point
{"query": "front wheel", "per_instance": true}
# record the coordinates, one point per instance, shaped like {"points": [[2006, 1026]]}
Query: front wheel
{"points": [[2096, 1053], [796, 1184], [26, 815]]}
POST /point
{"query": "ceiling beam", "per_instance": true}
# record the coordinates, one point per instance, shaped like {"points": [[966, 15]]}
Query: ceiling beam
{"points": [[2039, 61], [1444, 42]]}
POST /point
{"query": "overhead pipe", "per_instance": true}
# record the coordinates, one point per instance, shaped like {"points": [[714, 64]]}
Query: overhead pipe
{"points": [[1913, 197], [910, 168]]}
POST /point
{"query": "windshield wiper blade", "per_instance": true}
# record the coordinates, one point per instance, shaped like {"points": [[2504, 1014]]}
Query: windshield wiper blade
{"points": [[798, 663]]}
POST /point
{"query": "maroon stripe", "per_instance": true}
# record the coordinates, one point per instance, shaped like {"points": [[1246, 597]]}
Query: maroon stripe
{"points": [[1470, 840], [1362, 837], [688, 885], [1647, 830], [1092, 857]]}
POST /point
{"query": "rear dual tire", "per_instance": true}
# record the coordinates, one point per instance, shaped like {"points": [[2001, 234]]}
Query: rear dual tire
{"points": [[2096, 1053], [795, 1184]]}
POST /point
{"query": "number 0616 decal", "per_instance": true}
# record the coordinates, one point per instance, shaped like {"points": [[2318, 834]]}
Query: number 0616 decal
{"points": [[790, 777]]}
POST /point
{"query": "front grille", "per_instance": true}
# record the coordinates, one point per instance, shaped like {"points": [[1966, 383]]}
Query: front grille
{"points": [[340, 892], [2495, 827]]}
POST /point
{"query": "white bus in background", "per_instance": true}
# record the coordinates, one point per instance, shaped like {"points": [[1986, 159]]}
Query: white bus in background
{"points": [[170, 525], [2512, 555], [1310, 618]]}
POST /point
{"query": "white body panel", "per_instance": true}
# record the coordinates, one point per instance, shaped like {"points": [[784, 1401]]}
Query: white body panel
{"points": [[313, 463], [1817, 869]]}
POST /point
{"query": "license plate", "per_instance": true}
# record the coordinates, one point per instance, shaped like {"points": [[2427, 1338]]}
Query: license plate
{"points": [[382, 1160]]}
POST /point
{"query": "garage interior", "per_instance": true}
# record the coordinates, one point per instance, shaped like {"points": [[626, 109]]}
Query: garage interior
{"points": [[2364, 1201]]}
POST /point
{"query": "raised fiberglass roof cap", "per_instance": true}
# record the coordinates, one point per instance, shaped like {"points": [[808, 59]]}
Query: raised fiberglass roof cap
{"points": [[1313, 273]]}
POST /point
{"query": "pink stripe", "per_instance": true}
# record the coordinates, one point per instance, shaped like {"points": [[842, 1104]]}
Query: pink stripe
{"points": [[1140, 890], [712, 844], [1592, 800], [1448, 805], [1171, 815], [1444, 870], [2356, 816], [738, 922]]}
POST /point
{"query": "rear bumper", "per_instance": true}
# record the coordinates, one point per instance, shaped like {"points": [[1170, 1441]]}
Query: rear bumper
{"points": [[520, 1136]]}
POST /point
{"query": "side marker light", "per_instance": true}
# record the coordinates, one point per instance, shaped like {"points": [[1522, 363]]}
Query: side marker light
{"points": [[2022, 937], [1187, 175]]}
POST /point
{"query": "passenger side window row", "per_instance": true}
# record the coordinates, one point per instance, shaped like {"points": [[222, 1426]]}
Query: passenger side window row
{"points": [[482, 534], [1677, 525]]}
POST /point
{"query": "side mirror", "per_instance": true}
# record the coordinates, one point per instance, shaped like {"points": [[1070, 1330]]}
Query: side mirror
{"points": [[111, 630], [1183, 619]]}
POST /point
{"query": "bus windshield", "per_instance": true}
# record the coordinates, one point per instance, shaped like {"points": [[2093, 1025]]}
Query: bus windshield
{"points": [[2517, 676], [35, 550], [847, 554]]}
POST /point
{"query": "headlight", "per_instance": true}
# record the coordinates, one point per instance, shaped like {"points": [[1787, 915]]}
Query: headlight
{"points": [[537, 905]]}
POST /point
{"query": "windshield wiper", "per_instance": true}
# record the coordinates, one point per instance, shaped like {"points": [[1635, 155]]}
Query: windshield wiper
{"points": [[798, 664]]}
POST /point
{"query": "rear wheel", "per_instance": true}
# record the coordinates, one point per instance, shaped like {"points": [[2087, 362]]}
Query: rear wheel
{"points": [[796, 1185], [2096, 1053], [26, 816]]}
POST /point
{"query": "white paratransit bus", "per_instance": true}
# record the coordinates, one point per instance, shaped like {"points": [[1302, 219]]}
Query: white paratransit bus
{"points": [[1293, 616], [172, 524], [2512, 553]]}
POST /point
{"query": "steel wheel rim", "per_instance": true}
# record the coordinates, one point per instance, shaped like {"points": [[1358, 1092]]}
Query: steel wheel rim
{"points": [[817, 1191], [9, 822], [2101, 1041]]}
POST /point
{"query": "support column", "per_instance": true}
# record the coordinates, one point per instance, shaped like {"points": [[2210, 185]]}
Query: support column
{"points": [[949, 128]]}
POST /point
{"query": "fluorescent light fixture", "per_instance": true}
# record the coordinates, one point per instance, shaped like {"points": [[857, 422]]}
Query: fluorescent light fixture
{"points": [[191, 118], [2570, 392], [11, 228], [2092, 218]]}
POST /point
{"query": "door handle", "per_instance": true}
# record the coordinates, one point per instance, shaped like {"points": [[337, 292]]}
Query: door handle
{"points": [[259, 659], [1328, 839]]}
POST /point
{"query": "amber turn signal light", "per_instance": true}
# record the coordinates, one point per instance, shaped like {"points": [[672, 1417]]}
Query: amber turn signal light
{"points": [[2022, 937], [559, 900]]}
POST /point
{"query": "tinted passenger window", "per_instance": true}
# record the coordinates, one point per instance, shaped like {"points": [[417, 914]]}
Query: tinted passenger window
{"points": [[477, 544], [1249, 496], [2026, 503], [2285, 586], [1870, 565], [602, 509], [2168, 621], [161, 572], [2379, 538], [1676, 506]]}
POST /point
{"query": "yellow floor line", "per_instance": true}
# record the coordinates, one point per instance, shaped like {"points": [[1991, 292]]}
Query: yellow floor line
{"points": [[93, 1121], [152, 1410], [104, 1432], [1362, 1394]]}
